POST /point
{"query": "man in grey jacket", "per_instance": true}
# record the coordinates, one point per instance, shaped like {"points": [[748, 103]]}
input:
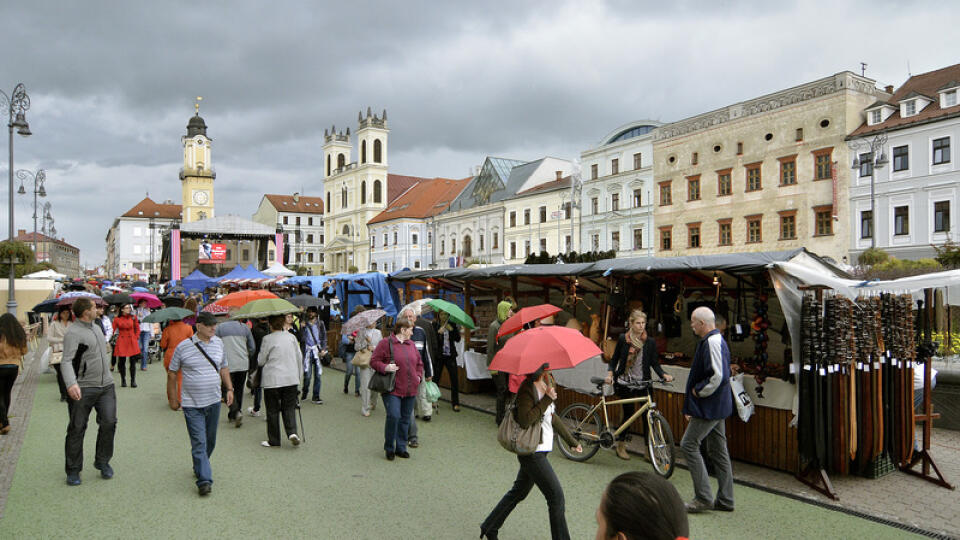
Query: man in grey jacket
{"points": [[90, 386]]}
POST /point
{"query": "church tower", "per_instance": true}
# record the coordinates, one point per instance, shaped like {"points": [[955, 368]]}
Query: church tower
{"points": [[197, 174], [336, 151], [372, 139]]}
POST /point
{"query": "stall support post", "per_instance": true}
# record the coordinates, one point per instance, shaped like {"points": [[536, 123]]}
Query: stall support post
{"points": [[514, 289], [928, 416], [406, 292], [468, 304], [546, 294]]}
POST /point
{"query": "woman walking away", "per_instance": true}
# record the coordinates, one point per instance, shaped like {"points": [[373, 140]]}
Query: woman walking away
{"points": [[282, 362], [172, 335], [127, 348], [641, 506], [314, 339], [58, 329], [449, 336], [534, 401], [630, 367], [146, 333], [13, 345], [348, 348], [366, 342], [398, 354]]}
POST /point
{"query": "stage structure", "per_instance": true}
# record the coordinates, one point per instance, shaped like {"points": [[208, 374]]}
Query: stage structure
{"points": [[225, 241]]}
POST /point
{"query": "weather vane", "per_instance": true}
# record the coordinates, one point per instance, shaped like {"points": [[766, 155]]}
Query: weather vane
{"points": [[196, 105]]}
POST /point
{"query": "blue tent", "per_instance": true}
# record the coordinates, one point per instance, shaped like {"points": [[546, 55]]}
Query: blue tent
{"points": [[366, 289], [197, 280], [251, 272], [235, 273]]}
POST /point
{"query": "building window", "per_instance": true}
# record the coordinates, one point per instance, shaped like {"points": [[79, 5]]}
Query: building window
{"points": [[693, 235], [310, 257], [725, 232], [724, 183], [496, 240], [286, 221], [481, 237], [901, 220], [788, 170], [910, 108], [246, 254], [567, 244], [513, 250], [386, 240], [543, 245], [309, 238], [513, 218], [666, 194], [270, 254], [526, 248], [788, 225], [377, 189], [754, 182], [941, 216], [328, 193], [824, 220], [615, 240], [693, 188], [739, 148], [298, 220], [614, 166], [363, 192], [822, 164], [594, 171], [615, 202], [799, 134], [595, 242], [875, 117], [363, 152], [443, 246], [901, 158], [453, 246], [866, 164], [429, 237], [666, 239], [595, 205], [694, 158], [637, 198], [866, 224], [414, 238], [567, 210], [941, 150], [416, 264], [543, 214], [754, 229], [526, 216], [310, 221], [950, 98], [638, 158], [637, 239], [377, 152], [373, 241]]}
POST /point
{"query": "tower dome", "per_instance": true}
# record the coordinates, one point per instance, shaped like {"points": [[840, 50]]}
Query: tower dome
{"points": [[196, 125]]}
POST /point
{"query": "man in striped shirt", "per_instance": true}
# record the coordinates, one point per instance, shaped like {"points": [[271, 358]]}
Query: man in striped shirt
{"points": [[200, 360]]}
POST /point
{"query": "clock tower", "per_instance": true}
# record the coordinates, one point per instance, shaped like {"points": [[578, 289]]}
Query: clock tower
{"points": [[197, 174]]}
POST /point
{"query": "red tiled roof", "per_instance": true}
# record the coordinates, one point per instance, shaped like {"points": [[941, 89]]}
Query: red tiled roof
{"points": [[426, 198], [304, 204], [397, 184], [547, 186], [27, 238], [147, 208], [925, 84]]}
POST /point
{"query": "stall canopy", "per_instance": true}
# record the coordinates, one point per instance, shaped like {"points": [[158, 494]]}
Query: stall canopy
{"points": [[197, 280], [278, 270], [366, 289], [234, 273], [45, 274]]}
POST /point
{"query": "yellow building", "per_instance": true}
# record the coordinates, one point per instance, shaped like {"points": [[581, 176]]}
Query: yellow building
{"points": [[766, 174]]}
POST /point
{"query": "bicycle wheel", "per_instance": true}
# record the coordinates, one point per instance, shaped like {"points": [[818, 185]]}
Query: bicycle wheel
{"points": [[585, 427], [660, 449]]}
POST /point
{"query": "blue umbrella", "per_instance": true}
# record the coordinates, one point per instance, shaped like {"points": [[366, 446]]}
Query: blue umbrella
{"points": [[141, 289]]}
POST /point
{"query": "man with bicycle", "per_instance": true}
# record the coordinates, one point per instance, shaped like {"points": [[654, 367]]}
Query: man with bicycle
{"points": [[707, 404]]}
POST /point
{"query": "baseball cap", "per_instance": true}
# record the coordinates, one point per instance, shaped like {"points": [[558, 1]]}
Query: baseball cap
{"points": [[206, 319]]}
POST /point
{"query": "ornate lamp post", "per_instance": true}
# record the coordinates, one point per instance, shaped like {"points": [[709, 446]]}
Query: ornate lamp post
{"points": [[878, 160], [17, 105], [38, 190]]}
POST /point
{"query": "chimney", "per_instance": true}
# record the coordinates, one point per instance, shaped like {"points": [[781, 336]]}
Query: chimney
{"points": [[559, 175], [888, 88], [21, 232]]}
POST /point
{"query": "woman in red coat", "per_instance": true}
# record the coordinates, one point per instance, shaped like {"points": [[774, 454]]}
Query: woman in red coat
{"points": [[127, 348]]}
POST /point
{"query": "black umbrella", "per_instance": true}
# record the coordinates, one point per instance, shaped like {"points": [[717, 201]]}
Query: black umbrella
{"points": [[47, 306], [172, 301], [305, 300], [139, 284], [118, 299]]}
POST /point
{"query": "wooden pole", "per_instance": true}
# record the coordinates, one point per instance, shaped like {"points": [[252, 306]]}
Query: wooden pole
{"points": [[514, 289], [468, 304]]}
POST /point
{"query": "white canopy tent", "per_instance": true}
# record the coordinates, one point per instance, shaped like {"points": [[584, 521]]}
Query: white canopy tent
{"points": [[45, 274], [279, 270]]}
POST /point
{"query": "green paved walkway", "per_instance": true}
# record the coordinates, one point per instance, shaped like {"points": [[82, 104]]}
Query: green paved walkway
{"points": [[336, 485]]}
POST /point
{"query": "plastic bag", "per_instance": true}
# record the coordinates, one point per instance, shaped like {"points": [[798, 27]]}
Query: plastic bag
{"points": [[433, 392], [741, 398]]}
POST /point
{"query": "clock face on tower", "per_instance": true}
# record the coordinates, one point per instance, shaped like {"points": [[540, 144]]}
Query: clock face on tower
{"points": [[200, 197], [199, 141]]}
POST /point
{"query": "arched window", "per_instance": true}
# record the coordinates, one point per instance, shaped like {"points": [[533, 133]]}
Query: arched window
{"points": [[328, 167], [363, 152], [467, 246], [363, 192], [346, 230], [341, 161], [343, 197], [377, 151], [376, 192]]}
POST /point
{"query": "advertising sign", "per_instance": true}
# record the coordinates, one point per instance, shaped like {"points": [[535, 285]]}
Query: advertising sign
{"points": [[212, 253]]}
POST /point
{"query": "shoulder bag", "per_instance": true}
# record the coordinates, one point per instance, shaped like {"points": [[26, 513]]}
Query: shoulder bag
{"points": [[384, 382], [362, 358], [516, 439]]}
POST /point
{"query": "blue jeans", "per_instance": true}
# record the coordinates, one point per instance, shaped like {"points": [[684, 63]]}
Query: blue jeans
{"points": [[144, 348], [202, 428], [399, 411], [314, 367]]}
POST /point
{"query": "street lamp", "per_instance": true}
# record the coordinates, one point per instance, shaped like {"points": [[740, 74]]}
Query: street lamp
{"points": [[878, 160], [38, 179], [17, 104]]}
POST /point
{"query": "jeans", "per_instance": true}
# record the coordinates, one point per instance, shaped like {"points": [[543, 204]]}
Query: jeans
{"points": [[399, 411], [500, 381], [534, 470], [364, 374], [257, 398], [280, 402], [238, 379], [316, 369], [349, 369], [8, 375], [144, 348], [202, 428], [104, 400], [449, 362], [714, 431]]}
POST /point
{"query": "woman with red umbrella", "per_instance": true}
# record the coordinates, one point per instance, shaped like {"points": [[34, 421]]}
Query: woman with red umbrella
{"points": [[127, 328]]}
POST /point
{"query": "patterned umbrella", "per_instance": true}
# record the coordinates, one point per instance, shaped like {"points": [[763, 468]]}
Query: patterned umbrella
{"points": [[417, 306], [215, 308], [152, 301], [361, 320], [69, 298]]}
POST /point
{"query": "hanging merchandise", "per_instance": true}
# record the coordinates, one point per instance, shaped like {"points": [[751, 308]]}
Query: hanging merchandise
{"points": [[759, 326], [740, 329]]}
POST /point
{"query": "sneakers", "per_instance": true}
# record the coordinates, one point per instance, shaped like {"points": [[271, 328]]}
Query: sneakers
{"points": [[106, 471], [265, 444], [204, 489], [427, 418], [456, 408], [413, 444], [294, 439], [252, 412], [73, 479], [697, 506], [317, 401]]}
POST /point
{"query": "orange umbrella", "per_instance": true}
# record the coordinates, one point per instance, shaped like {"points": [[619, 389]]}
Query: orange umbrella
{"points": [[239, 298]]}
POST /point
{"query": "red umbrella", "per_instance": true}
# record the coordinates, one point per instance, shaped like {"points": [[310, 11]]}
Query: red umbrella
{"points": [[240, 298], [152, 300], [525, 316], [558, 346]]}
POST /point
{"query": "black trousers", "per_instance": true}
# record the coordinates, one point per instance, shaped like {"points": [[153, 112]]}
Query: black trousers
{"points": [[60, 383], [534, 470], [501, 380], [449, 362], [104, 400], [133, 368], [280, 402], [238, 379], [8, 376]]}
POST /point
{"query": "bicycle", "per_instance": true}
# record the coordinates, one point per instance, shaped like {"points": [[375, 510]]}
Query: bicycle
{"points": [[584, 423]]}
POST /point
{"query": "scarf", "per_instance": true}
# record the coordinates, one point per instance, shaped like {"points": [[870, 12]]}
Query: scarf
{"points": [[635, 341]]}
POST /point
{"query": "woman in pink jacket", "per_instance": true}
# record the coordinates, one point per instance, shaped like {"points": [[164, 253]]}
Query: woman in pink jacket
{"points": [[398, 354]]}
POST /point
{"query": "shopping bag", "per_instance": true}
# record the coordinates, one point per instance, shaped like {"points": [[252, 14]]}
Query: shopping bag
{"points": [[433, 392], [741, 398]]}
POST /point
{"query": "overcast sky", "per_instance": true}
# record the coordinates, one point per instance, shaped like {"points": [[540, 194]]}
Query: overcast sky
{"points": [[112, 85]]}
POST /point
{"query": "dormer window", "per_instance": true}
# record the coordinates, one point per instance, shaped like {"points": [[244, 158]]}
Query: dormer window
{"points": [[949, 98], [876, 117], [910, 108]]}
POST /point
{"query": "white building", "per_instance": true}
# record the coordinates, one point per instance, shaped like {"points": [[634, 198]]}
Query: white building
{"points": [[301, 219], [134, 240], [538, 220], [616, 210], [916, 189]]}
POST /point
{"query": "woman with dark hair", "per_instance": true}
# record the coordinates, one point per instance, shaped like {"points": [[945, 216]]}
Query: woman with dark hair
{"points": [[13, 345], [641, 506], [534, 403], [191, 304], [127, 347], [398, 354], [58, 329], [282, 363]]}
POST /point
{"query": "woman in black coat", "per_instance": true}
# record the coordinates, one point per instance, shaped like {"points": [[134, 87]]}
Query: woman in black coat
{"points": [[634, 356]]}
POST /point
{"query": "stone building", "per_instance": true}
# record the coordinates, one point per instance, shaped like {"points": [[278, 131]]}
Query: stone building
{"points": [[300, 219], [770, 173], [63, 256]]}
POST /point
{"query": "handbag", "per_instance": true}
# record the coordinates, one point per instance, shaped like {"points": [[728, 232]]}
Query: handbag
{"points": [[362, 359], [433, 392], [514, 438], [383, 382]]}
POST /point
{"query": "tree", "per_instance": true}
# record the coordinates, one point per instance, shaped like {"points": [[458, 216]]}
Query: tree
{"points": [[23, 255], [873, 256], [948, 254]]}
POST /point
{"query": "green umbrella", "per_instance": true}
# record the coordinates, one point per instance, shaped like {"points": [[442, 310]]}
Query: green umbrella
{"points": [[264, 308], [167, 314], [456, 314]]}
